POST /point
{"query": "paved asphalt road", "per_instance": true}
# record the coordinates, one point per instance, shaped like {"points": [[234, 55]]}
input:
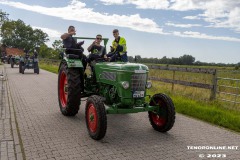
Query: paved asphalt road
{"points": [[46, 134]]}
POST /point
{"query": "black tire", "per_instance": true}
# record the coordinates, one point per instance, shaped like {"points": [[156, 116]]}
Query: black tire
{"points": [[70, 105], [12, 65], [20, 67], [36, 68], [163, 119], [23, 69], [95, 116], [37, 71]]}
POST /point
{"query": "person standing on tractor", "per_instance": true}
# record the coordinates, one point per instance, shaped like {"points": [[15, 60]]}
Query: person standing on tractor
{"points": [[35, 54], [119, 48], [96, 49], [72, 47]]}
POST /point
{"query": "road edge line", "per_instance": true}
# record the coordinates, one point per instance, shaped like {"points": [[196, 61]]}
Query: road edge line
{"points": [[18, 143]]}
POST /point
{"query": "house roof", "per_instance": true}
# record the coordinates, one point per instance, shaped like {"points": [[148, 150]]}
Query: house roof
{"points": [[14, 51]]}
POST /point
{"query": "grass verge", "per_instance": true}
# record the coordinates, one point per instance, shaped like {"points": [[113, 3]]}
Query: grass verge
{"points": [[211, 112], [49, 67]]}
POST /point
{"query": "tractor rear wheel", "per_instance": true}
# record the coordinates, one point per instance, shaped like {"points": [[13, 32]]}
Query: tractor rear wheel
{"points": [[163, 118], [95, 116], [69, 89]]}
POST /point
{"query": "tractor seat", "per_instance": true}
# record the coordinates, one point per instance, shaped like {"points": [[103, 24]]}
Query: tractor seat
{"points": [[73, 56]]}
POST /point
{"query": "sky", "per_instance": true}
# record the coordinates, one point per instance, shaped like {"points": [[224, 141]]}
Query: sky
{"points": [[209, 30]]}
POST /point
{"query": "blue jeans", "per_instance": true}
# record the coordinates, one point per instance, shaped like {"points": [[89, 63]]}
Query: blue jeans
{"points": [[116, 56]]}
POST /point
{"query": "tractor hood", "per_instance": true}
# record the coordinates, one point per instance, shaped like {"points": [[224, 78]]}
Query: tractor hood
{"points": [[121, 66]]}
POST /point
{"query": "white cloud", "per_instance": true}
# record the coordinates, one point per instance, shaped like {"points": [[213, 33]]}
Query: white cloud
{"points": [[191, 17], [218, 13], [153, 4], [182, 25], [115, 2], [199, 35], [51, 33], [143, 4], [185, 5], [180, 5], [77, 11]]}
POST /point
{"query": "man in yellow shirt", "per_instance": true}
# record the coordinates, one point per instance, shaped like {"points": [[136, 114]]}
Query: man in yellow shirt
{"points": [[119, 48]]}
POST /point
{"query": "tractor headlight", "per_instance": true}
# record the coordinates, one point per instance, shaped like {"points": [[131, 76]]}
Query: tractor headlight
{"points": [[125, 84], [148, 84]]}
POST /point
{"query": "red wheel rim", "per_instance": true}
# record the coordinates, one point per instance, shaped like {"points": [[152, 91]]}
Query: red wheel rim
{"points": [[63, 89], [92, 118], [159, 120]]}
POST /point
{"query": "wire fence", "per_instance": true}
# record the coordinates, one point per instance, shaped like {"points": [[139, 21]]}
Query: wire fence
{"points": [[229, 90]]}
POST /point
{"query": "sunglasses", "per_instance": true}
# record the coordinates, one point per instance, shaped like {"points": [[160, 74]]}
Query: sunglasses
{"points": [[99, 38]]}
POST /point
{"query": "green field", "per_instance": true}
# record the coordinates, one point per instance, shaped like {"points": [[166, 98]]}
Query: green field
{"points": [[199, 93], [193, 101]]}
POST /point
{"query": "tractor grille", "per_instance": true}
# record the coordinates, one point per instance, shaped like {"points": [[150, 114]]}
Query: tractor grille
{"points": [[139, 82], [109, 76]]}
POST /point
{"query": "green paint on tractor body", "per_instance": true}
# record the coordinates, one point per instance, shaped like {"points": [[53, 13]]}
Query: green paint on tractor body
{"points": [[107, 81], [73, 63], [110, 77]]}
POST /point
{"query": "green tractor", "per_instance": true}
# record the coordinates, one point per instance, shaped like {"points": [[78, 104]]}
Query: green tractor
{"points": [[111, 88], [15, 60]]}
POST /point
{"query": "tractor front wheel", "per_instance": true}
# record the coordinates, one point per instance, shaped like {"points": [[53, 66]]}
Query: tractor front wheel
{"points": [[163, 118], [36, 68], [12, 63], [69, 89], [20, 67], [23, 69], [96, 119]]}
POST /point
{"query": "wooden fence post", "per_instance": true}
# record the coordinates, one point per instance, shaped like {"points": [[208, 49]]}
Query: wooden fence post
{"points": [[214, 84], [173, 80], [237, 93]]}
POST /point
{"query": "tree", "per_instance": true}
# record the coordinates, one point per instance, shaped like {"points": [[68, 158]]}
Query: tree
{"points": [[19, 35], [57, 45], [47, 52], [3, 17], [237, 66], [137, 58], [186, 59], [130, 59], [43, 51]]}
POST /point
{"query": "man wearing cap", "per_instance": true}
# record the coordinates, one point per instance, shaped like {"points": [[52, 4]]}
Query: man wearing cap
{"points": [[119, 48]]}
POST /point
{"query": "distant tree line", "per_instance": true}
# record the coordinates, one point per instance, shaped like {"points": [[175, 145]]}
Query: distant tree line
{"points": [[182, 60]]}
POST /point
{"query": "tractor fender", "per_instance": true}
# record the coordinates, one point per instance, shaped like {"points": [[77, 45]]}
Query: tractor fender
{"points": [[72, 63]]}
